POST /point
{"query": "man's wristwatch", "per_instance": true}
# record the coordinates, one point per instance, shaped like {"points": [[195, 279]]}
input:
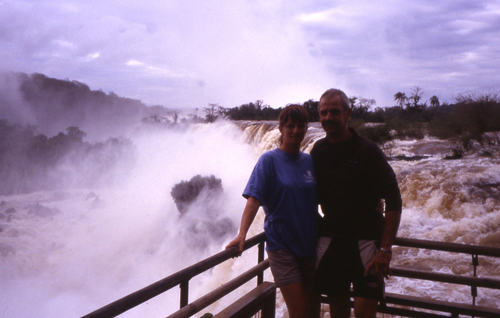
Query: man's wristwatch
{"points": [[386, 250]]}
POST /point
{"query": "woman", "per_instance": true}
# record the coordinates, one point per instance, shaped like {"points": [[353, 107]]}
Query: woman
{"points": [[283, 182]]}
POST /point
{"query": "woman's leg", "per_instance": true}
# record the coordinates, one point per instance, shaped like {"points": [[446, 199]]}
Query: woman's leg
{"points": [[296, 300]]}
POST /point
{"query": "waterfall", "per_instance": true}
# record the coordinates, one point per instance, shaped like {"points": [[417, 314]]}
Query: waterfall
{"points": [[68, 252]]}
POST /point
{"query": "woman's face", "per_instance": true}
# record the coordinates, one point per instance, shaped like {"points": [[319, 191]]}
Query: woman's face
{"points": [[293, 133]]}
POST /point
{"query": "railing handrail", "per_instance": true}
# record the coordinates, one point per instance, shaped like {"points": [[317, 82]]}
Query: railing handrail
{"points": [[449, 247], [219, 292], [446, 278], [140, 296]]}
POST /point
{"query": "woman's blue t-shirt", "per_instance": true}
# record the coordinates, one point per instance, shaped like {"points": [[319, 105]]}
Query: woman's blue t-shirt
{"points": [[285, 185]]}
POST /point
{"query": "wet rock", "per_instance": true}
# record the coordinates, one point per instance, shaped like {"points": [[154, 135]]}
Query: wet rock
{"points": [[186, 192], [91, 195], [5, 250], [61, 195], [97, 203], [42, 211], [10, 211], [410, 158], [200, 203]]}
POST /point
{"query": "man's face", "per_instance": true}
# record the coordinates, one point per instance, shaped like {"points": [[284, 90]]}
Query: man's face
{"points": [[333, 117]]}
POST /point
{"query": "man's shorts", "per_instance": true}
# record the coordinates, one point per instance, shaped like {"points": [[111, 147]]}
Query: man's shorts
{"points": [[341, 262], [288, 269]]}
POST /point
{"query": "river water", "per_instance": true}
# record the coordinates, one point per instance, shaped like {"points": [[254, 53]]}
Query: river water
{"points": [[68, 252]]}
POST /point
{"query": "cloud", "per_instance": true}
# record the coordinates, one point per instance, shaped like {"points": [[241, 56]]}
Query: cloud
{"points": [[433, 45], [281, 52]]}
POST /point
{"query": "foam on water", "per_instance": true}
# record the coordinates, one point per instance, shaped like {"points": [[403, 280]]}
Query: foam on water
{"points": [[102, 244]]}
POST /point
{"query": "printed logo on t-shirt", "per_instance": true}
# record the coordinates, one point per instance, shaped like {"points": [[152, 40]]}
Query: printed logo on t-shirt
{"points": [[309, 176]]}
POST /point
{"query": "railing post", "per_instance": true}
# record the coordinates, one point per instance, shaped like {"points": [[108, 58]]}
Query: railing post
{"points": [[475, 263], [269, 306], [184, 293], [260, 277]]}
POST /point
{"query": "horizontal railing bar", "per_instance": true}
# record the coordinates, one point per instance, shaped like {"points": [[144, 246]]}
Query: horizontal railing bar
{"points": [[220, 292], [440, 305], [138, 297], [261, 298], [449, 247], [447, 278], [410, 313]]}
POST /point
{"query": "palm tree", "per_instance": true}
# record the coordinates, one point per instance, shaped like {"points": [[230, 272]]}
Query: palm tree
{"points": [[434, 100], [400, 98]]}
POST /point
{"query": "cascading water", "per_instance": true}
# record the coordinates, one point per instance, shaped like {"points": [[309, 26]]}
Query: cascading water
{"points": [[66, 253]]}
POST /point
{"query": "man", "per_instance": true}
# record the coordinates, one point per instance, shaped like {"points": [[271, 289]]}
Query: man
{"points": [[353, 177]]}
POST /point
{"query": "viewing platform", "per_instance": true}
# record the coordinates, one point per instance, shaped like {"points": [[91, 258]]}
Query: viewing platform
{"points": [[261, 301]]}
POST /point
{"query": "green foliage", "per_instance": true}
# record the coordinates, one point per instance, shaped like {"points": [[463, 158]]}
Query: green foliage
{"points": [[312, 109], [55, 103], [260, 111], [379, 133], [456, 153], [252, 111], [29, 161], [467, 121], [406, 128]]}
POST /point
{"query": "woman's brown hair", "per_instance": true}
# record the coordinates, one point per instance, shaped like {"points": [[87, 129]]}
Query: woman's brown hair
{"points": [[295, 113]]}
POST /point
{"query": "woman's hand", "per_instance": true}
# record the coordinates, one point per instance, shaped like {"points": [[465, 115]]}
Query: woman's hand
{"points": [[249, 213], [238, 241]]}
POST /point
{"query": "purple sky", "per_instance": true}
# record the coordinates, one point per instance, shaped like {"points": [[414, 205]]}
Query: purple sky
{"points": [[186, 54]]}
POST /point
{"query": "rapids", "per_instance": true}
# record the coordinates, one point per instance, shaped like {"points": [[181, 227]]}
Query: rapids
{"points": [[66, 253]]}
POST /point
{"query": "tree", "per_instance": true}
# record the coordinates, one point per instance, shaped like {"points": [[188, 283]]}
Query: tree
{"points": [[400, 98], [365, 104], [352, 101], [312, 109], [75, 134], [361, 108], [210, 116], [415, 97], [434, 100], [259, 104]]}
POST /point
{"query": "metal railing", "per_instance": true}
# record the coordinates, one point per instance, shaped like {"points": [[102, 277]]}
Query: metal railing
{"points": [[187, 309], [473, 281], [182, 279], [473, 250]]}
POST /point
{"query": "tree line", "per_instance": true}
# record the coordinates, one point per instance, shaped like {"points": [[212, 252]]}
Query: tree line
{"points": [[465, 122], [31, 162]]}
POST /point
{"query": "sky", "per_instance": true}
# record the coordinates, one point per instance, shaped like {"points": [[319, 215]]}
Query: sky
{"points": [[187, 54]]}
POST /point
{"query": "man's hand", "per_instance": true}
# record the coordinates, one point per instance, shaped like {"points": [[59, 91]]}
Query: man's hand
{"points": [[380, 264]]}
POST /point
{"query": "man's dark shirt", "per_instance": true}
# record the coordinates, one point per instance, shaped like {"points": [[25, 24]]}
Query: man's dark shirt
{"points": [[352, 178]]}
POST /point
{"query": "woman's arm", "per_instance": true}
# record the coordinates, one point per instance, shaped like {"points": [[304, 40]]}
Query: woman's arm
{"points": [[247, 218]]}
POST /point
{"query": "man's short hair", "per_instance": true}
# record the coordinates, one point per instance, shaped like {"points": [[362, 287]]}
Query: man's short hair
{"points": [[337, 92]]}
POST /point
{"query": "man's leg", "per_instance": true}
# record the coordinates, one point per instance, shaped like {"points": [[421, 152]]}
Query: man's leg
{"points": [[365, 307], [340, 307], [296, 300]]}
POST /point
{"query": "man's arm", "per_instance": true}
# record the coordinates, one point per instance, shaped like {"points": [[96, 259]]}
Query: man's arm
{"points": [[380, 264]]}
